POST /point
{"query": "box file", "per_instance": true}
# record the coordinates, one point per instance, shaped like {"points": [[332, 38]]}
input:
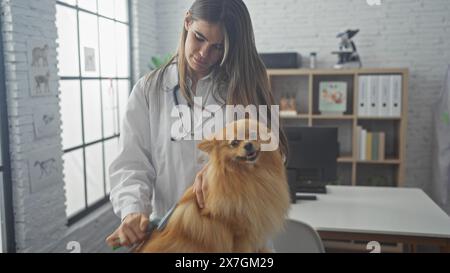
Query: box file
{"points": [[396, 96]]}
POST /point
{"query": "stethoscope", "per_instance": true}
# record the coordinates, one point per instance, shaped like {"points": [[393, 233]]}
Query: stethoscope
{"points": [[176, 90]]}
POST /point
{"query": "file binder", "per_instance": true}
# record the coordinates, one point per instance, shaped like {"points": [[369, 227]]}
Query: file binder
{"points": [[384, 96], [363, 95], [373, 95], [396, 95]]}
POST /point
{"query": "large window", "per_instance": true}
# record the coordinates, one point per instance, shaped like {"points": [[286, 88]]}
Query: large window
{"points": [[94, 70]]}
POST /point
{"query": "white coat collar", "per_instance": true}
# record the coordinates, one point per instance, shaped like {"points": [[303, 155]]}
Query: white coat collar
{"points": [[172, 76]]}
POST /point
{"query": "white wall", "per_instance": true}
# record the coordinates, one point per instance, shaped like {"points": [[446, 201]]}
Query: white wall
{"points": [[145, 35], [398, 33], [170, 22]]}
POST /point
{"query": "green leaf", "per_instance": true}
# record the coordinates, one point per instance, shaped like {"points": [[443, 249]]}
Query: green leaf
{"points": [[446, 118], [157, 62]]}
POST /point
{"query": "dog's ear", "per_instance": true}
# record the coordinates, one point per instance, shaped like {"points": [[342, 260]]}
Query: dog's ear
{"points": [[207, 145]]}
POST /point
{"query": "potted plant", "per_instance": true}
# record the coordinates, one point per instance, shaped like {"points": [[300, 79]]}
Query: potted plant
{"points": [[157, 61]]}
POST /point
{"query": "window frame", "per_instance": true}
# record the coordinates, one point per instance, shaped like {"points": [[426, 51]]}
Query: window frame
{"points": [[7, 229], [94, 206]]}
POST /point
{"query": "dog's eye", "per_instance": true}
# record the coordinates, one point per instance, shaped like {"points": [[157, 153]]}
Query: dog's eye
{"points": [[234, 143]]}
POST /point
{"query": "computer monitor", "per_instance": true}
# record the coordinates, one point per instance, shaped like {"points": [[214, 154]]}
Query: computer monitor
{"points": [[312, 159]]}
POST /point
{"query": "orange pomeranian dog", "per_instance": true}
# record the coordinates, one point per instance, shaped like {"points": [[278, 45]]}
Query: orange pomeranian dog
{"points": [[245, 205]]}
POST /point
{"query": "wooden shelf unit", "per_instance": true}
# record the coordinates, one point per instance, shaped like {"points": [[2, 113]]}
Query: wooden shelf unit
{"points": [[310, 116]]}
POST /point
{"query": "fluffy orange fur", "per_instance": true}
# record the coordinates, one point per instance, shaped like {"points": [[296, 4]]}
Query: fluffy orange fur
{"points": [[245, 204]]}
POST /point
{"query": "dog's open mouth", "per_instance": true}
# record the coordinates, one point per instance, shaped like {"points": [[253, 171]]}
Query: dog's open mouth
{"points": [[250, 157]]}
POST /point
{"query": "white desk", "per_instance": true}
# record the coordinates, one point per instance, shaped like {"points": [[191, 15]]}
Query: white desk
{"points": [[400, 215]]}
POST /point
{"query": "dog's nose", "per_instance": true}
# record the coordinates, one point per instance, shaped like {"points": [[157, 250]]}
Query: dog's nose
{"points": [[248, 147]]}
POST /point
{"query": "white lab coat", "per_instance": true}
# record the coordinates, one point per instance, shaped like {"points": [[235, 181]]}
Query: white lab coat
{"points": [[151, 172]]}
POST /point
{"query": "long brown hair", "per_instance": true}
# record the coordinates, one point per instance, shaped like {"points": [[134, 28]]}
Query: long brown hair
{"points": [[241, 68]]}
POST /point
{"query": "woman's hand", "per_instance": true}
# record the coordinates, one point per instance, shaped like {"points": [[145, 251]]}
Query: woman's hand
{"points": [[131, 231], [200, 186]]}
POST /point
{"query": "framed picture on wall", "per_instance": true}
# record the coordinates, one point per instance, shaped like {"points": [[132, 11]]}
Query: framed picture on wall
{"points": [[44, 167], [332, 97], [89, 59], [45, 122], [39, 69]]}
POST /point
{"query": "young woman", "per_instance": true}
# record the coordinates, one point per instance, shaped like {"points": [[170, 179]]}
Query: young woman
{"points": [[216, 60]]}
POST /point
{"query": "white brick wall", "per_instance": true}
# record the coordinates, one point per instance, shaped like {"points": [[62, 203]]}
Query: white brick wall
{"points": [[170, 22], [145, 35], [399, 33], [39, 209]]}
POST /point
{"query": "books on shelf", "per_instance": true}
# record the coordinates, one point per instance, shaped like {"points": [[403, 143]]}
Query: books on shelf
{"points": [[379, 95], [370, 145]]}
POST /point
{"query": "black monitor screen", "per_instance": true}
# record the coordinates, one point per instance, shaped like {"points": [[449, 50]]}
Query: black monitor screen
{"points": [[313, 153]]}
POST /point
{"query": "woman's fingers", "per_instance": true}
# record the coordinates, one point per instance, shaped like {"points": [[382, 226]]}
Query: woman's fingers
{"points": [[200, 200], [121, 239], [198, 189], [131, 231], [129, 234], [113, 240], [204, 184], [200, 186], [139, 228], [144, 224]]}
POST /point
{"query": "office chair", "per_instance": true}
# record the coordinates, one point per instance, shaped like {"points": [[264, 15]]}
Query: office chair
{"points": [[298, 237]]}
